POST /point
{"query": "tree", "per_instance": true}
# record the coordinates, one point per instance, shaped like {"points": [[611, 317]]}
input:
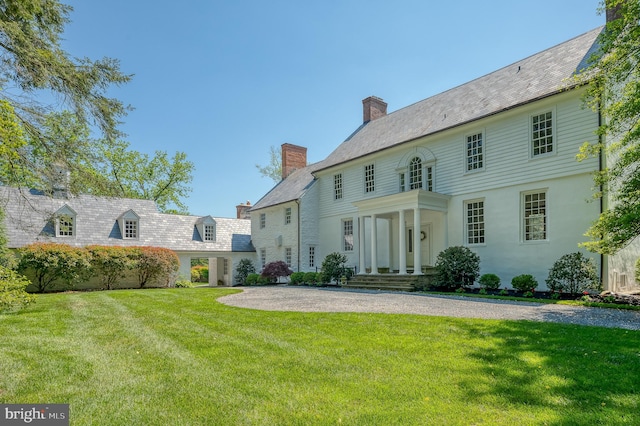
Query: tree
{"points": [[32, 63], [273, 170], [272, 271], [573, 273], [614, 90], [333, 268], [38, 141], [121, 172]]}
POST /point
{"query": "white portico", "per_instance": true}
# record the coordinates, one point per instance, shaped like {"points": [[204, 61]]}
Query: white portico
{"points": [[401, 232]]}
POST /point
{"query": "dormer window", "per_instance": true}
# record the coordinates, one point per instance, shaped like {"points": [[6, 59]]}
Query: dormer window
{"points": [[65, 222], [129, 223], [207, 228]]}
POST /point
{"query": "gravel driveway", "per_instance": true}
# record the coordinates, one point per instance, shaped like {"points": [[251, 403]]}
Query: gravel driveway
{"points": [[309, 299]]}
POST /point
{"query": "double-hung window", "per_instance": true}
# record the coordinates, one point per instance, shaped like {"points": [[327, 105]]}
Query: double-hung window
{"points": [[347, 234], [542, 134], [287, 216], [474, 222], [263, 220], [534, 213], [369, 178], [337, 186], [475, 152]]}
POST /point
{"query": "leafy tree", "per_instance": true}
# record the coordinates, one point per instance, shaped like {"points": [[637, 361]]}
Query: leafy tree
{"points": [[274, 270], [333, 268], [33, 64], [243, 270], [614, 91], [456, 267], [273, 170], [573, 273], [38, 140], [50, 263]]}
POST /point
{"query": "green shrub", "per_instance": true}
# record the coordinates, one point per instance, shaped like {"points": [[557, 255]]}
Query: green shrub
{"points": [[182, 283], [155, 265], [252, 279], [456, 267], [489, 282], [46, 264], [310, 278], [262, 280], [573, 273], [111, 263], [13, 293], [524, 283], [243, 270], [297, 278], [200, 274], [333, 268]]}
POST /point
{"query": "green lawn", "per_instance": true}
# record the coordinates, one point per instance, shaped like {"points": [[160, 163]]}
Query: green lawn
{"points": [[179, 357]]}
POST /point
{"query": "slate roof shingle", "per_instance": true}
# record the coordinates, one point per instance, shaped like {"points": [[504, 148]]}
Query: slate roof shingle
{"points": [[28, 219]]}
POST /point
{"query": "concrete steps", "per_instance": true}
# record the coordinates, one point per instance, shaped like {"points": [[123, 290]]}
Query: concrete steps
{"points": [[391, 281]]}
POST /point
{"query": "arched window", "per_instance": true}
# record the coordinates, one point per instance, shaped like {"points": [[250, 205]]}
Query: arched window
{"points": [[415, 173]]}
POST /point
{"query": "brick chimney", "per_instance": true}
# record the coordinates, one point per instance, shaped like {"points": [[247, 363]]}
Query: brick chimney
{"points": [[242, 211], [293, 157], [373, 108]]}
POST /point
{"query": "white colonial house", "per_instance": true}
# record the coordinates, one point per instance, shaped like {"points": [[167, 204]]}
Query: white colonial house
{"points": [[81, 220], [490, 165]]}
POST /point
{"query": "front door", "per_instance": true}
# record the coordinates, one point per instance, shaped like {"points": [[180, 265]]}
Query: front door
{"points": [[424, 239]]}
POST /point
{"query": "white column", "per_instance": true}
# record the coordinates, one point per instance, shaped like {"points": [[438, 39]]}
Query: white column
{"points": [[361, 246], [374, 244], [417, 249], [402, 243], [213, 271]]}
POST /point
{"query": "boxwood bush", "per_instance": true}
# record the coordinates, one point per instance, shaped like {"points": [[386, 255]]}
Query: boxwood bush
{"points": [[524, 283], [456, 267], [489, 281]]}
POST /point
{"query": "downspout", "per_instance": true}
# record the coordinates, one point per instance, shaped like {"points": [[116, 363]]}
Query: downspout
{"points": [[603, 267], [299, 239]]}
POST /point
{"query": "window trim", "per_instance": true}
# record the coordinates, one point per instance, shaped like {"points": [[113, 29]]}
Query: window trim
{"points": [[312, 257], [369, 178], [554, 133], [125, 220], [65, 212], [347, 246], [482, 153], [338, 187], [287, 215], [482, 236], [523, 220]]}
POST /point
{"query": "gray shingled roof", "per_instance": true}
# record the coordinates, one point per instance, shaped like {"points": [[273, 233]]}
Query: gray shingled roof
{"points": [[289, 189], [536, 77], [28, 219]]}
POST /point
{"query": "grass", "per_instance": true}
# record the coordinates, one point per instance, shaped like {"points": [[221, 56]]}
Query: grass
{"points": [[179, 357]]}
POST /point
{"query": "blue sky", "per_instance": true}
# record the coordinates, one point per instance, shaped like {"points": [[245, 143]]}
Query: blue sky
{"points": [[224, 81]]}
